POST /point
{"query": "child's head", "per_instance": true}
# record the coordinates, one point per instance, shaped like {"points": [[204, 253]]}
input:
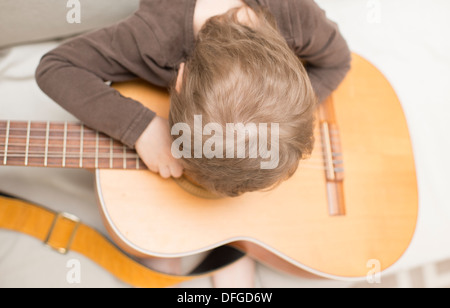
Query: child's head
{"points": [[248, 75]]}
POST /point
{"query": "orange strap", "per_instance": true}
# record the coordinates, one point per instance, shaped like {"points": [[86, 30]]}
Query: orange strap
{"points": [[64, 232]]}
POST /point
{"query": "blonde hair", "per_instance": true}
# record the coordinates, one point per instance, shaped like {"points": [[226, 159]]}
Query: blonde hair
{"points": [[243, 74]]}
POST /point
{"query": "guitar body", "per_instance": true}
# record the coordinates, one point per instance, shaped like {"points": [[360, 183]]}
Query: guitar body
{"points": [[290, 227]]}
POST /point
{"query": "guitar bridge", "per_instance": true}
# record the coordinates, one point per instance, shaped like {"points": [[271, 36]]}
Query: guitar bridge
{"points": [[333, 159]]}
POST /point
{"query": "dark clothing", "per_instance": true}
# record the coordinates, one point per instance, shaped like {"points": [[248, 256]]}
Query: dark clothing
{"points": [[153, 42]]}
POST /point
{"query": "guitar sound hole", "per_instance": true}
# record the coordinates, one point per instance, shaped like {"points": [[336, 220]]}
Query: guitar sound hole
{"points": [[195, 189]]}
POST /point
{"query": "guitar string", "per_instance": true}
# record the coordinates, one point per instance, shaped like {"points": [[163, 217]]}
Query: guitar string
{"points": [[69, 155], [94, 138], [102, 137], [303, 164], [19, 132], [73, 154], [307, 163], [116, 146], [118, 151], [313, 158], [68, 146], [115, 152], [87, 130], [103, 155], [317, 150]]}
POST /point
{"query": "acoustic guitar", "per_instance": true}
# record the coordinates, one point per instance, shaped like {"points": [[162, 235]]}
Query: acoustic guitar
{"points": [[352, 203]]}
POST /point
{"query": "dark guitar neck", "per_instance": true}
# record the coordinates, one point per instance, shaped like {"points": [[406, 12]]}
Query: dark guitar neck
{"points": [[62, 145]]}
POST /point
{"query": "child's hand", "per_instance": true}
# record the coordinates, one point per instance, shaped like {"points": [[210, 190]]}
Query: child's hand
{"points": [[154, 148]]}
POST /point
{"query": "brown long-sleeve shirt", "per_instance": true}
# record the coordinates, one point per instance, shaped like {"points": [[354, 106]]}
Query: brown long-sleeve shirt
{"points": [[153, 42]]}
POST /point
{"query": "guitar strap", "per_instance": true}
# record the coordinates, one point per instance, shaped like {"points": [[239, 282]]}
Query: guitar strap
{"points": [[64, 232]]}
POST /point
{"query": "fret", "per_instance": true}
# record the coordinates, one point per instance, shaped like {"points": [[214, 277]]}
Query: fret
{"points": [[36, 147], [27, 144], [116, 149], [90, 149], [111, 153], [105, 152], [81, 144], [36, 144], [96, 149], [124, 157], [8, 125], [47, 136], [56, 145], [72, 146], [64, 145]]}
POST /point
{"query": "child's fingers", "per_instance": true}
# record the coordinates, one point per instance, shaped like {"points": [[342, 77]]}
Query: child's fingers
{"points": [[165, 172], [152, 167], [176, 170]]}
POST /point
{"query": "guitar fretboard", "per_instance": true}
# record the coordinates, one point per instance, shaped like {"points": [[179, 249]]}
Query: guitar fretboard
{"points": [[62, 145]]}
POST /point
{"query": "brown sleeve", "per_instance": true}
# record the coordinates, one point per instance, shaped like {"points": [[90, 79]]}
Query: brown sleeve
{"points": [[74, 76], [322, 46]]}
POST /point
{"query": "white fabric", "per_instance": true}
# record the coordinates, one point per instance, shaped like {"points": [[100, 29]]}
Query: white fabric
{"points": [[25, 21], [406, 39], [408, 42]]}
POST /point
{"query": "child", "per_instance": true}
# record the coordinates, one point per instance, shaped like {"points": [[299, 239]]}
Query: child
{"points": [[230, 61]]}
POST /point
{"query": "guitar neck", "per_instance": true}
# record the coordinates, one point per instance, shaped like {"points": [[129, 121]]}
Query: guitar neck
{"points": [[62, 145]]}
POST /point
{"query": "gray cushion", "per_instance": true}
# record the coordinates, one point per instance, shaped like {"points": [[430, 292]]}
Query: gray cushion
{"points": [[26, 21]]}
